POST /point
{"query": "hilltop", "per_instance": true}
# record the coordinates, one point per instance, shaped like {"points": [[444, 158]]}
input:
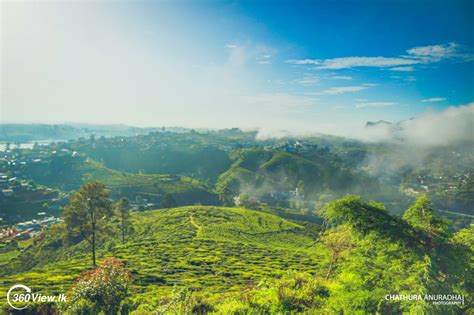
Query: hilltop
{"points": [[277, 176]]}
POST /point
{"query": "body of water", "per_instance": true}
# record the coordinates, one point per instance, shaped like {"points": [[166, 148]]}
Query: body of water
{"points": [[25, 145]]}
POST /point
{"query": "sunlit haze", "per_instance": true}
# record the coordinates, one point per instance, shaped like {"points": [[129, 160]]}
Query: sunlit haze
{"points": [[323, 67]]}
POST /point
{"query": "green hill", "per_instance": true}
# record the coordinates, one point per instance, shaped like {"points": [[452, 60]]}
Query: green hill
{"points": [[69, 173], [210, 249], [170, 156], [258, 172]]}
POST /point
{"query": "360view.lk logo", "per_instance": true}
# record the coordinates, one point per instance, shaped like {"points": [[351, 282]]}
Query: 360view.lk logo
{"points": [[20, 296]]}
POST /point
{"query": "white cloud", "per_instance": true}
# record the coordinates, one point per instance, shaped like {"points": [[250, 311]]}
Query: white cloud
{"points": [[342, 90], [303, 61], [403, 69], [433, 128], [434, 99], [375, 104], [455, 124], [434, 52], [416, 55], [352, 62], [307, 80]]}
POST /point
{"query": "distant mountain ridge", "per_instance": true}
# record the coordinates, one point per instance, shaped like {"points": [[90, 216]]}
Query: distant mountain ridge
{"points": [[377, 123]]}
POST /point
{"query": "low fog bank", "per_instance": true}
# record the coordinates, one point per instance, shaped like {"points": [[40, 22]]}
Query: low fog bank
{"points": [[451, 126]]}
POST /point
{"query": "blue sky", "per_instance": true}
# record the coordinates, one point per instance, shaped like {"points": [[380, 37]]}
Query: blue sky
{"points": [[326, 66]]}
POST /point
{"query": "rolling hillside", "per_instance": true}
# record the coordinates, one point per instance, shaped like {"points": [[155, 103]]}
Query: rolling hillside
{"points": [[258, 172], [209, 249], [68, 173]]}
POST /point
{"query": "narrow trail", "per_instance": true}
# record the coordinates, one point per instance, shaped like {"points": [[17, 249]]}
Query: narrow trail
{"points": [[194, 223]]}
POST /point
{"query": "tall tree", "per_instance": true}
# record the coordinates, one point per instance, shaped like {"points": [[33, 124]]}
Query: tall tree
{"points": [[168, 201], [226, 196], [338, 241], [122, 207], [422, 215], [87, 209]]}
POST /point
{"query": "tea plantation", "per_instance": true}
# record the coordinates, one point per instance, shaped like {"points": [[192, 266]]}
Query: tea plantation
{"points": [[211, 250]]}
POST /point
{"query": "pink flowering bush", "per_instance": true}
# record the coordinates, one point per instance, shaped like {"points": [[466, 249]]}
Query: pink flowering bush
{"points": [[102, 289]]}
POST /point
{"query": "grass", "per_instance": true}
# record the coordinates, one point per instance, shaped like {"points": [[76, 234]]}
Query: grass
{"points": [[212, 250]]}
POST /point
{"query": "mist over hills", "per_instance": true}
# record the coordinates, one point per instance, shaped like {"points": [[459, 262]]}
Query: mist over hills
{"points": [[451, 126]]}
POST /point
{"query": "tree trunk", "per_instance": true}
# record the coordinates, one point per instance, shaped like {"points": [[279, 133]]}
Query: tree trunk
{"points": [[331, 265], [123, 226], [93, 237]]}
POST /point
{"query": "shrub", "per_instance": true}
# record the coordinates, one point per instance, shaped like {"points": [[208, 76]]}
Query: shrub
{"points": [[234, 306], [102, 289], [300, 291]]}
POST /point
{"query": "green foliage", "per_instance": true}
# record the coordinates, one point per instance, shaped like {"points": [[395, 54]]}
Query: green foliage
{"points": [[233, 260], [365, 217], [168, 201], [101, 289], [383, 259], [78, 170], [87, 210], [300, 292], [122, 209], [210, 250], [182, 302], [91, 198], [422, 215], [177, 154]]}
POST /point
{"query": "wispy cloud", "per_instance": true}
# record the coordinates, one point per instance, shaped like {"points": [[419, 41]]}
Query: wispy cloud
{"points": [[434, 99], [306, 80], [341, 77], [240, 54], [264, 59], [303, 61], [342, 90], [375, 104], [403, 69], [414, 56], [434, 53], [352, 62]]}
